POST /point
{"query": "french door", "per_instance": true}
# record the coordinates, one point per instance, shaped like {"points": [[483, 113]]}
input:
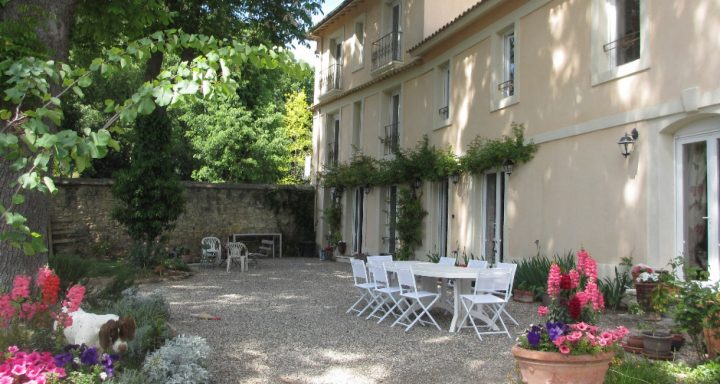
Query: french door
{"points": [[358, 210], [697, 205], [493, 213]]}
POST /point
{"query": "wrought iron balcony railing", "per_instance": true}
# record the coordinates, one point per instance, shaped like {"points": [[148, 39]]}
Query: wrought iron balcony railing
{"points": [[330, 79], [390, 141], [386, 50], [507, 88], [444, 112], [625, 42]]}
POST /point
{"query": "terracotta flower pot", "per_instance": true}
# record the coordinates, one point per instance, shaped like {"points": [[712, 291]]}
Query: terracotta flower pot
{"points": [[555, 368], [643, 292], [712, 340], [523, 296]]}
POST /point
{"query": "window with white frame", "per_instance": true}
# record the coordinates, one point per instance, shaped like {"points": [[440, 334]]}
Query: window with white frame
{"points": [[507, 84], [618, 38], [443, 94], [504, 90], [357, 125], [358, 213], [390, 238], [333, 134], [391, 135], [359, 43]]}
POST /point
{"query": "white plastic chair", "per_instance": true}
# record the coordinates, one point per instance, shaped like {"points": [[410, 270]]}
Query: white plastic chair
{"points": [[477, 264], [512, 268], [446, 261], [363, 284], [211, 250], [387, 296], [414, 299], [237, 252], [379, 259], [487, 284]]}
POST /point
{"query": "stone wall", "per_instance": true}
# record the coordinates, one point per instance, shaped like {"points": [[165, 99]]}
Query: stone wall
{"points": [[81, 219]]}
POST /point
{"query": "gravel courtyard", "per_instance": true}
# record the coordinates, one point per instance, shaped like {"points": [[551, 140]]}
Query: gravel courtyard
{"points": [[285, 322]]}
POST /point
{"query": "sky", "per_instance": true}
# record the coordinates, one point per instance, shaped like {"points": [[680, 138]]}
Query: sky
{"points": [[308, 54]]}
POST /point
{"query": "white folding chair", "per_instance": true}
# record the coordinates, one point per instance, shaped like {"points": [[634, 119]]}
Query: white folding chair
{"points": [[477, 264], [211, 250], [363, 284], [446, 261], [414, 299], [512, 268], [379, 259], [387, 296], [237, 252], [487, 283]]}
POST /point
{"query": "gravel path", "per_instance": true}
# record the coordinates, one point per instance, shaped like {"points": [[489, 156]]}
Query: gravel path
{"points": [[285, 322]]}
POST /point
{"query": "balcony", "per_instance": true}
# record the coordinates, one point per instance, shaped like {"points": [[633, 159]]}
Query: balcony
{"points": [[386, 52], [390, 141], [330, 80]]}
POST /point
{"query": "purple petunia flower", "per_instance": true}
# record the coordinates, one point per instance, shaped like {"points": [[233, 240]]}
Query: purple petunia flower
{"points": [[63, 359], [533, 338], [89, 356]]}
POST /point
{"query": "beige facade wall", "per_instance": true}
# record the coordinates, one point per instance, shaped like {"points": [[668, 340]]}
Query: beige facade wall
{"points": [[578, 190]]}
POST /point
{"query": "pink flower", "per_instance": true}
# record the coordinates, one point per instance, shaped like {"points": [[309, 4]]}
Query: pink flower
{"points": [[582, 256], [594, 295], [543, 311], [602, 342], [574, 279], [574, 336], [74, 298], [582, 326], [13, 349], [564, 349], [559, 341], [21, 287], [606, 335], [18, 369], [554, 278]]}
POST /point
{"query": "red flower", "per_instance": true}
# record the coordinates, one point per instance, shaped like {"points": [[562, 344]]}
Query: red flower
{"points": [[51, 289], [565, 282], [575, 308]]}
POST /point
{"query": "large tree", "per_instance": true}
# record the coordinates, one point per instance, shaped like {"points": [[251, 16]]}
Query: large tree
{"points": [[25, 119]]}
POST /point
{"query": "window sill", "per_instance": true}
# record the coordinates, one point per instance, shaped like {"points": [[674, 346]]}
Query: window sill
{"points": [[496, 105], [442, 124], [628, 69]]}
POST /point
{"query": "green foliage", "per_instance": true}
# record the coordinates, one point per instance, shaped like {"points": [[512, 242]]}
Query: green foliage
{"points": [[637, 371], [183, 360], [333, 217], [35, 152], [297, 130], [70, 269], [149, 192], [483, 154], [613, 289], [410, 216], [151, 314], [129, 376], [532, 274], [425, 162], [18, 37], [697, 307]]}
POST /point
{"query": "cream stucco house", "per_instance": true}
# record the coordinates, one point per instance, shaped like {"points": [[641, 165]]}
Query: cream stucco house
{"points": [[579, 75]]}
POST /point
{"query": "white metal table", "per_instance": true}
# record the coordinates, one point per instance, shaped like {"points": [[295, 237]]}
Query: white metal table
{"points": [[430, 272], [237, 236]]}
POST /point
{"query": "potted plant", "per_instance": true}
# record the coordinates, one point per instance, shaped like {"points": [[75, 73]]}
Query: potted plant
{"points": [[646, 280], [697, 313], [341, 247], [569, 348], [657, 344], [326, 253], [524, 293]]}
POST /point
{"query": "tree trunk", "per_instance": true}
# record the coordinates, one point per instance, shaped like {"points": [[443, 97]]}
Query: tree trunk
{"points": [[54, 31], [37, 210]]}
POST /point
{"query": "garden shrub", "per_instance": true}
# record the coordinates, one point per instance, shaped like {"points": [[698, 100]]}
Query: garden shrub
{"points": [[130, 376], [182, 360], [150, 314], [69, 268]]}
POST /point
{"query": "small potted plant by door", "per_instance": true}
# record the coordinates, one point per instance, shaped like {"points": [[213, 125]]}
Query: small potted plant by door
{"points": [[645, 283], [341, 247], [524, 293]]}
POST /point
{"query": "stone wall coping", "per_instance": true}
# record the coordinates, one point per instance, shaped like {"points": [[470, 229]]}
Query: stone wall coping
{"points": [[191, 184]]}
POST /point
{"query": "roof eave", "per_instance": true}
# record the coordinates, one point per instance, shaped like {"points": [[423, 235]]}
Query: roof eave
{"points": [[338, 11], [444, 32]]}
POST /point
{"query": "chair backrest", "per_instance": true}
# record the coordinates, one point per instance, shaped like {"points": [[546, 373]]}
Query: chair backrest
{"points": [[406, 279], [446, 261], [494, 281], [236, 250], [379, 259], [359, 272], [477, 264], [379, 275], [511, 267], [211, 244]]}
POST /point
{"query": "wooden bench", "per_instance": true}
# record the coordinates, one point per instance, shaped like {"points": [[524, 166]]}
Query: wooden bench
{"points": [[265, 250]]}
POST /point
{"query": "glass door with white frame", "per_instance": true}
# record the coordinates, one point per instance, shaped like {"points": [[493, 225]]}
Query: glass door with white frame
{"points": [[697, 206], [358, 208], [493, 212]]}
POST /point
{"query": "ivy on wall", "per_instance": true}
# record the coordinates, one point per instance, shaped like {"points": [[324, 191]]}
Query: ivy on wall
{"points": [[425, 162]]}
